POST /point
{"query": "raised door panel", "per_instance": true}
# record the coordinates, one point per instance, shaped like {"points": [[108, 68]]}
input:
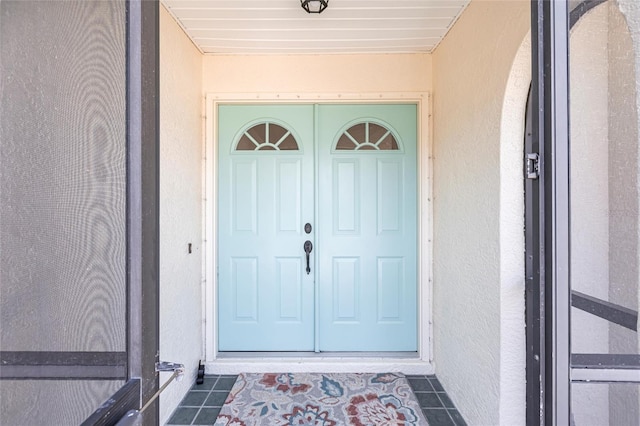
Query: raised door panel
{"points": [[367, 227], [346, 290], [244, 193], [265, 195]]}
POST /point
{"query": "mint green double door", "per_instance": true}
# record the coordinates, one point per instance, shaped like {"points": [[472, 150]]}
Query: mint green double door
{"points": [[336, 179]]}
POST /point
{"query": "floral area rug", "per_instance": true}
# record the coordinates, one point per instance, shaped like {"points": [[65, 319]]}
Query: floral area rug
{"points": [[321, 400]]}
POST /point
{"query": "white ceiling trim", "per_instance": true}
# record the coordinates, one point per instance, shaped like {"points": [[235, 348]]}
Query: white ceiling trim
{"points": [[345, 27]]}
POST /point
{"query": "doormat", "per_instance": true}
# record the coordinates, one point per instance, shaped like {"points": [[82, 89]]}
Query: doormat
{"points": [[322, 400]]}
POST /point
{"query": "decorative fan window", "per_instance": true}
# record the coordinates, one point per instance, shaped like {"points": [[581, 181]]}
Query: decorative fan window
{"points": [[367, 136], [267, 137]]}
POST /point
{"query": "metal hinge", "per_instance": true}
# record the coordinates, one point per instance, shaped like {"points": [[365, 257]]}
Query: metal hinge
{"points": [[532, 166]]}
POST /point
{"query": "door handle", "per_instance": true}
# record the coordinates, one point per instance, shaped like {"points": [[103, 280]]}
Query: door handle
{"points": [[307, 249]]}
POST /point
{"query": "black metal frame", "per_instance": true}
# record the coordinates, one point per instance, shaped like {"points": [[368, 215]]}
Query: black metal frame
{"points": [[581, 9], [137, 364], [550, 364], [624, 317], [534, 269], [143, 213], [21, 365], [143, 25], [109, 413], [555, 113], [547, 215], [606, 361]]}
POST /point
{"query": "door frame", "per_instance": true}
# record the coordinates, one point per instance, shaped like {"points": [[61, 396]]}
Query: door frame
{"points": [[420, 364], [552, 367]]}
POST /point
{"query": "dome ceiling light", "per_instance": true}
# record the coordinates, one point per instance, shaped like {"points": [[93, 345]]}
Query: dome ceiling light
{"points": [[314, 6]]}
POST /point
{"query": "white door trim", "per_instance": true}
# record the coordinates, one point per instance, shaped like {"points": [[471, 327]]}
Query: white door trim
{"points": [[423, 363]]}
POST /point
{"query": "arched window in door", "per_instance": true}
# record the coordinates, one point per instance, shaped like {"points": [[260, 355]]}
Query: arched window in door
{"points": [[267, 136], [367, 136]]}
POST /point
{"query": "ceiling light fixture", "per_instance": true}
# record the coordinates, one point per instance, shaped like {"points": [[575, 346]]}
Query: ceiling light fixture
{"points": [[314, 6]]}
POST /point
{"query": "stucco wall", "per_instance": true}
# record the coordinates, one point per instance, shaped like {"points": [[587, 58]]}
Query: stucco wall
{"points": [[326, 74], [512, 320], [180, 207], [471, 69]]}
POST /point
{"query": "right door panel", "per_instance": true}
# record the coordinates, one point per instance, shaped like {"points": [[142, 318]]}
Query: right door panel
{"points": [[367, 218]]}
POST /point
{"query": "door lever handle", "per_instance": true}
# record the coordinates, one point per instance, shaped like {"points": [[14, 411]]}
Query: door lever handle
{"points": [[307, 249]]}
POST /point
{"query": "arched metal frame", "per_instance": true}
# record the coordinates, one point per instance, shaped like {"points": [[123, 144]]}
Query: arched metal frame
{"points": [[550, 365]]}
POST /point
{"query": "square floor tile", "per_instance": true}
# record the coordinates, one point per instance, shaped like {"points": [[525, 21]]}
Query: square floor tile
{"points": [[207, 416], [194, 399], [437, 386], [428, 400], [457, 417], [420, 385], [206, 385], [438, 417], [216, 399], [446, 401], [183, 416], [225, 383]]}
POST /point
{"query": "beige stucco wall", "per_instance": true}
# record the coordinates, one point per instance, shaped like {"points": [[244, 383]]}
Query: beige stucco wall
{"points": [[322, 74], [180, 207], [471, 72]]}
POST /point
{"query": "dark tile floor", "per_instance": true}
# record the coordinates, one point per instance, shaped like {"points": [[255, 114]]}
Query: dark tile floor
{"points": [[202, 403], [434, 401]]}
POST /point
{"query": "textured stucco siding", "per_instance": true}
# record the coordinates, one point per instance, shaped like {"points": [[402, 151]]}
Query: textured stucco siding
{"points": [[471, 69], [322, 74], [180, 207]]}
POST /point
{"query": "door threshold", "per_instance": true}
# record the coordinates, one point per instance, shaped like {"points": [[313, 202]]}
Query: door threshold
{"points": [[311, 362], [403, 355]]}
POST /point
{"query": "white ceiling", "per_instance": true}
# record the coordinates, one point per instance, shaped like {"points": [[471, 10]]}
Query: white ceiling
{"points": [[346, 26]]}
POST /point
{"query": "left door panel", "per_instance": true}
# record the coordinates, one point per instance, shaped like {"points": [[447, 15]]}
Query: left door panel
{"points": [[266, 196]]}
